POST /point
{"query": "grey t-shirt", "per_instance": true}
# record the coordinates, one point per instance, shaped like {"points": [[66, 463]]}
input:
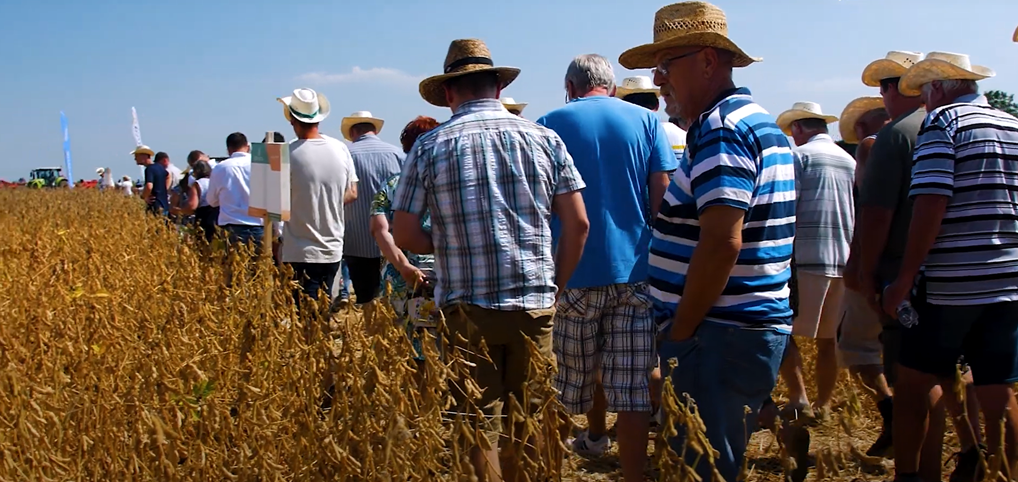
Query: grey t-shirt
{"points": [[321, 170], [886, 183]]}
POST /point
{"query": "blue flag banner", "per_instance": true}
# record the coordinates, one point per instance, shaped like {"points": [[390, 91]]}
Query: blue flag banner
{"points": [[67, 149]]}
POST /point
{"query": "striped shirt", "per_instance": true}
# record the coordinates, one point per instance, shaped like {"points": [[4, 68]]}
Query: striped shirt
{"points": [[735, 156], [825, 208], [375, 162], [488, 178], [968, 152]]}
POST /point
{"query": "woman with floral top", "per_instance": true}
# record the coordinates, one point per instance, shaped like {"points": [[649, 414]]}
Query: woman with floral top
{"points": [[405, 274]]}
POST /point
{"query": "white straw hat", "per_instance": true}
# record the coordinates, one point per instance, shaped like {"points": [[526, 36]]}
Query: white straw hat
{"points": [[360, 117], [306, 105], [800, 111], [892, 66], [941, 66], [143, 150], [510, 104], [641, 84]]}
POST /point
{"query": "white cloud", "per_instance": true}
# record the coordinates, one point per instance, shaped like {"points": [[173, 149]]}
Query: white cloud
{"points": [[359, 75], [832, 85]]}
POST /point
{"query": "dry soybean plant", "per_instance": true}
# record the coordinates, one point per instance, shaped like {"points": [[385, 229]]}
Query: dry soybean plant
{"points": [[127, 356]]}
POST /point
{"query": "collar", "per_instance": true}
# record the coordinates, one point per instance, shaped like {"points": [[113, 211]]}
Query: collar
{"points": [[365, 137], [239, 154], [480, 105], [724, 95], [821, 138], [972, 99]]}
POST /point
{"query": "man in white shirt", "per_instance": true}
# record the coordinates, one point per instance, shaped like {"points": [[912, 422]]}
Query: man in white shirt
{"points": [[230, 191], [322, 181]]}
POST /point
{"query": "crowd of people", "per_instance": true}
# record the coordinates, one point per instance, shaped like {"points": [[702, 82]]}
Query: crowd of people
{"points": [[615, 242]]}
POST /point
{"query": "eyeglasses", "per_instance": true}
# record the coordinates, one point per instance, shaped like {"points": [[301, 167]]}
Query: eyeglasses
{"points": [[663, 66]]}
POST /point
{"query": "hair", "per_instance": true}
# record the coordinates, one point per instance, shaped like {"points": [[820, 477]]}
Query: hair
{"points": [[590, 71], [160, 156], [476, 84], [193, 156], [236, 142], [878, 115], [415, 129], [970, 86], [361, 128], [276, 137], [886, 84], [201, 170], [648, 100], [812, 124]]}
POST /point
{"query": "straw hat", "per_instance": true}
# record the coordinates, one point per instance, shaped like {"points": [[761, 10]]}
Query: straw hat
{"points": [[800, 111], [306, 105], [892, 66], [465, 56], [143, 150], [941, 66], [686, 24], [100, 171], [1015, 38], [853, 112], [359, 117], [641, 84], [510, 104]]}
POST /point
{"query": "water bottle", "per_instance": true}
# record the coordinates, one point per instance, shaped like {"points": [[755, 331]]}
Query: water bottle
{"points": [[907, 315]]}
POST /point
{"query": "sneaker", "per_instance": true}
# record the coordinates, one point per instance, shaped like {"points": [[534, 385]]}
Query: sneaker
{"points": [[969, 466], [884, 445], [583, 445]]}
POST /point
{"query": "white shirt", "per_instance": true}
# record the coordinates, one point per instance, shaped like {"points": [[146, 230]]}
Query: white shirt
{"points": [[176, 175], [126, 187], [321, 171], [676, 137], [230, 190]]}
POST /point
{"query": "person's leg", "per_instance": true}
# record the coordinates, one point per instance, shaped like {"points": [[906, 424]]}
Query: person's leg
{"points": [[813, 291], [931, 454], [576, 347], [347, 285], [365, 273], [991, 350], [628, 358], [827, 368]]}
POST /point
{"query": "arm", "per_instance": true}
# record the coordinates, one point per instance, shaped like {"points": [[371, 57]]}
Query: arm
{"points": [[662, 163], [409, 235], [862, 155], [350, 195], [212, 196], [193, 194], [882, 182], [409, 205], [146, 193], [658, 185], [380, 231], [572, 215], [709, 267]]}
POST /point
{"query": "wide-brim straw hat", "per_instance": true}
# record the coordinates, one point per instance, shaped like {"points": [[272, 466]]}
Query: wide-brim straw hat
{"points": [[100, 171], [853, 112], [306, 105], [941, 66], [360, 117], [686, 24], [892, 66], [1015, 37], [465, 56], [800, 111], [640, 84], [143, 150], [510, 104]]}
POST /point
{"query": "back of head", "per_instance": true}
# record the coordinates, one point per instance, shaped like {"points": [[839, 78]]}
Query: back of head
{"points": [[193, 157], [480, 85], [647, 100], [162, 157], [415, 129], [588, 72], [201, 170], [236, 142], [361, 129]]}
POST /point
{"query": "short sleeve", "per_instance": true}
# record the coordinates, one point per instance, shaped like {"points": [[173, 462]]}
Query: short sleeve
{"points": [[662, 157], [568, 178], [933, 163], [410, 194], [381, 204], [886, 166], [149, 175], [723, 171]]}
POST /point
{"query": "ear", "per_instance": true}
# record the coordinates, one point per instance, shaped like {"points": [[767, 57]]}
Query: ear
{"points": [[613, 91], [711, 61], [448, 94]]}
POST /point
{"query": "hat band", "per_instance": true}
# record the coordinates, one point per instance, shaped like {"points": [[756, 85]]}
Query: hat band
{"points": [[468, 61], [304, 116]]}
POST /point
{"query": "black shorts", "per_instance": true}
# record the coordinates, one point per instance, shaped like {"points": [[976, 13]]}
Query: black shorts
{"points": [[366, 277], [985, 335]]}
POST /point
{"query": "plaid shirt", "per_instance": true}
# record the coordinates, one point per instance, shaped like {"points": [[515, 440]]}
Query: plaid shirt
{"points": [[488, 178]]}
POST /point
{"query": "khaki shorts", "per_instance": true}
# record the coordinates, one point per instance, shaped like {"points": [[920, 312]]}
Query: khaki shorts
{"points": [[859, 338], [819, 306], [506, 334]]}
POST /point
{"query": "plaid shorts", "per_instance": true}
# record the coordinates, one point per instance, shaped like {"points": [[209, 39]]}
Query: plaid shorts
{"points": [[608, 329]]}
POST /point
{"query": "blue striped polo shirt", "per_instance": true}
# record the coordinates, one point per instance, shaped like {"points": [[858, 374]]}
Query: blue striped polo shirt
{"points": [[735, 156]]}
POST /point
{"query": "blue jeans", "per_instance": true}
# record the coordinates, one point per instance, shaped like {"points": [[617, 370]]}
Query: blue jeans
{"points": [[724, 369], [313, 277], [242, 234], [344, 291]]}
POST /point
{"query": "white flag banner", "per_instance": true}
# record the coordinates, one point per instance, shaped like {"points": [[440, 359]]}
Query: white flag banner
{"points": [[135, 128]]}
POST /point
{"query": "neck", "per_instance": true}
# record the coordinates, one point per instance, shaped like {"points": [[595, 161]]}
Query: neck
{"points": [[706, 101], [904, 105], [459, 100], [358, 135], [309, 133], [804, 137], [595, 92]]}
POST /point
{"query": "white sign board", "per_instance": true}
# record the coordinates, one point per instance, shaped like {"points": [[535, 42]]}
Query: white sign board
{"points": [[270, 181]]}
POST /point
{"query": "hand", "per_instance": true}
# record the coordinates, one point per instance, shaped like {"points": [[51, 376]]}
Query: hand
{"points": [[681, 331], [895, 294], [413, 277]]}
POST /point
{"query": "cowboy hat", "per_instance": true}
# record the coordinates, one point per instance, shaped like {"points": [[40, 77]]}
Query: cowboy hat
{"points": [[1015, 38], [853, 112], [941, 66], [465, 56], [686, 24], [510, 104], [359, 117], [143, 150], [891, 66], [641, 84], [800, 111], [306, 105]]}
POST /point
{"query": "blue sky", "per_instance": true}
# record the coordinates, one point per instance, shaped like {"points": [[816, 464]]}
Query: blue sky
{"points": [[199, 70]]}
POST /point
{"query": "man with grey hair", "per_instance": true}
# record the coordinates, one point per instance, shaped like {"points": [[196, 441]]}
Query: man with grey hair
{"points": [[959, 273], [604, 338], [719, 257]]}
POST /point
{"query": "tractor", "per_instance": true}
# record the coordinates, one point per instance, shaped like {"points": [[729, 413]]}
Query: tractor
{"points": [[46, 177]]}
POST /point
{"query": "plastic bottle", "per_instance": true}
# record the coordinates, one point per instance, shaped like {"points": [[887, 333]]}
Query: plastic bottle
{"points": [[907, 314]]}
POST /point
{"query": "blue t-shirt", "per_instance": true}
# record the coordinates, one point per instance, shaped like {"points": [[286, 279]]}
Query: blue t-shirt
{"points": [[616, 146], [157, 175], [735, 156]]}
